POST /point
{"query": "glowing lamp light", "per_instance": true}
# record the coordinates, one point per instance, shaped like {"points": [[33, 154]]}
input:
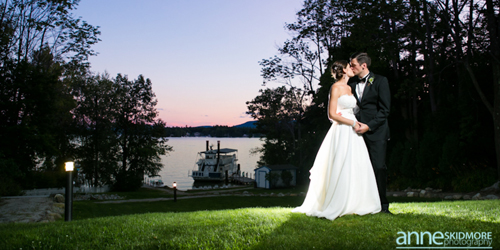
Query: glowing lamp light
{"points": [[174, 185], [69, 166], [68, 202]]}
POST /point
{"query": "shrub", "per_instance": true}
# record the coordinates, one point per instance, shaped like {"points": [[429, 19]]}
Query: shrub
{"points": [[9, 187], [273, 178], [127, 181], [473, 180], [286, 177]]}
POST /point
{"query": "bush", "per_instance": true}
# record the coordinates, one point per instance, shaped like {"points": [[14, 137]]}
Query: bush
{"points": [[127, 181], [46, 179], [273, 179], [286, 177], [8, 187], [474, 180], [9, 173]]}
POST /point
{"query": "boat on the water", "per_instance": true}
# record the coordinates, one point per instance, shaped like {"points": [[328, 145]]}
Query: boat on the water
{"points": [[156, 183], [216, 164]]}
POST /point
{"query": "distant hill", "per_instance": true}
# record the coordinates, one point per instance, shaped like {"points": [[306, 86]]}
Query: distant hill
{"points": [[250, 124], [247, 129]]}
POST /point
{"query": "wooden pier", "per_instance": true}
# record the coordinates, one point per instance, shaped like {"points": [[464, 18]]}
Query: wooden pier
{"points": [[242, 180]]}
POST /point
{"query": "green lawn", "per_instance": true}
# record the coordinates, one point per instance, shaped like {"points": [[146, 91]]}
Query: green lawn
{"points": [[253, 222]]}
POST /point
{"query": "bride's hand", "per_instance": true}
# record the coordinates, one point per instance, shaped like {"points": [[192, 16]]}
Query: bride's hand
{"points": [[362, 128]]}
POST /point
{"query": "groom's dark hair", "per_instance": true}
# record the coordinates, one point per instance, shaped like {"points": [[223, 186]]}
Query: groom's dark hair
{"points": [[362, 57]]}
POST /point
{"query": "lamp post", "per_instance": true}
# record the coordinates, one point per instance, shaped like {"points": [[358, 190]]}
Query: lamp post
{"points": [[175, 191], [68, 204]]}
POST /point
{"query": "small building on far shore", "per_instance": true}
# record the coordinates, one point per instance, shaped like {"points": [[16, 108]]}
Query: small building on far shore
{"points": [[276, 176]]}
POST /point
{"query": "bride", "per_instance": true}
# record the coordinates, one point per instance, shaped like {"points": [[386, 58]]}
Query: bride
{"points": [[342, 178]]}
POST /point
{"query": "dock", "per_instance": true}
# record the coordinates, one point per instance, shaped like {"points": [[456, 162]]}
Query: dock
{"points": [[242, 180]]}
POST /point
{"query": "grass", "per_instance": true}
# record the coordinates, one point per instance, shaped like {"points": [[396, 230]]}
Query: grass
{"points": [[93, 209], [234, 222]]}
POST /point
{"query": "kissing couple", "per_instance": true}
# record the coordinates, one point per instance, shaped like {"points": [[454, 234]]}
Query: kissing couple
{"points": [[349, 174]]}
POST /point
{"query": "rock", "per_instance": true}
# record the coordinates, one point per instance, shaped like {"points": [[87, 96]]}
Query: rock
{"points": [[57, 216], [494, 188], [477, 196], [422, 193], [58, 208], [293, 194], [281, 195], [430, 195], [59, 198], [245, 192], [395, 195], [216, 193], [467, 197], [410, 194], [428, 189], [491, 197], [457, 196], [53, 216], [448, 197]]}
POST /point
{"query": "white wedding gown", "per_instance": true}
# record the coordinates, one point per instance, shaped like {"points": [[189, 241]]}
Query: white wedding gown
{"points": [[342, 178]]}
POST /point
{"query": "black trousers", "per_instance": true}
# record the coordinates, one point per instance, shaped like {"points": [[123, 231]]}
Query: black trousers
{"points": [[377, 151]]}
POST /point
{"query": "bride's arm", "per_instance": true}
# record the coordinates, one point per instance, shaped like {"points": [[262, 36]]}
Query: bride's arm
{"points": [[332, 109]]}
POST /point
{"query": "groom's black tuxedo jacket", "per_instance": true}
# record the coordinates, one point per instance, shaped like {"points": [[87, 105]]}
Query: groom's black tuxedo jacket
{"points": [[374, 106]]}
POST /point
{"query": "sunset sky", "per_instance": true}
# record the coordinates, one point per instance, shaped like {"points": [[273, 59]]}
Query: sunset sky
{"points": [[201, 55]]}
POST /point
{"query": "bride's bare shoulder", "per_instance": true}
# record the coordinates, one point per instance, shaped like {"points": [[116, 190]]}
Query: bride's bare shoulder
{"points": [[340, 90], [336, 89]]}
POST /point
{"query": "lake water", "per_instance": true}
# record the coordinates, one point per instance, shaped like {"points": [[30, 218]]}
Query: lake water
{"points": [[178, 163]]}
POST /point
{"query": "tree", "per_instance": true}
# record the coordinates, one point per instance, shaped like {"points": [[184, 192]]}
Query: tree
{"points": [[140, 135], [120, 137], [46, 23], [279, 113], [440, 58], [319, 28], [95, 115], [35, 116], [39, 43]]}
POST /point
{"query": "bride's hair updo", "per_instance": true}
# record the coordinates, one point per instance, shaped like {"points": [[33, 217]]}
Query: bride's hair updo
{"points": [[338, 69]]}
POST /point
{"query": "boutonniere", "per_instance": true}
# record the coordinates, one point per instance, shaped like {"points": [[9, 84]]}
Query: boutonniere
{"points": [[370, 80]]}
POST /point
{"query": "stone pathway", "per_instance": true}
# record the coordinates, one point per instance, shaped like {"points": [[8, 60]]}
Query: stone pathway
{"points": [[25, 209]]}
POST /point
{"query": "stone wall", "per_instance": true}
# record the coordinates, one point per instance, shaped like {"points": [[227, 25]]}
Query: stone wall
{"points": [[53, 191]]}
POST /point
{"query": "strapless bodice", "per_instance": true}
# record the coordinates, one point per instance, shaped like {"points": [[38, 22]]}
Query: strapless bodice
{"points": [[346, 103], [345, 106]]}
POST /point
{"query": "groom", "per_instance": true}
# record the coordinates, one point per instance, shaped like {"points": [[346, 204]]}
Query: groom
{"points": [[373, 100]]}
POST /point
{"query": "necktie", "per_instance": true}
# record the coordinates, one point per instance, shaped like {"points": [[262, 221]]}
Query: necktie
{"points": [[361, 86], [363, 80]]}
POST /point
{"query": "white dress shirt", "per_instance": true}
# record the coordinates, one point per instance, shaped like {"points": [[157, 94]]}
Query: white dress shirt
{"points": [[360, 87]]}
